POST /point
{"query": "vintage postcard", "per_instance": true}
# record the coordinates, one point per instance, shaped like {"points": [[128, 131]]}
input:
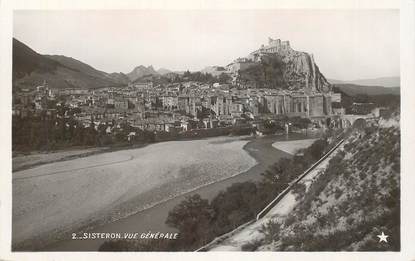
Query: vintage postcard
{"points": [[232, 130]]}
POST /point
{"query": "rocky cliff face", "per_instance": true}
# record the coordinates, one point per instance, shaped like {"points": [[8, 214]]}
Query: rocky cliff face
{"points": [[301, 71], [279, 66]]}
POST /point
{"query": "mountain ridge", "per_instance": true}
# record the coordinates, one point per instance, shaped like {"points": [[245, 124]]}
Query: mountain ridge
{"points": [[163, 71], [353, 89], [392, 81], [31, 68]]}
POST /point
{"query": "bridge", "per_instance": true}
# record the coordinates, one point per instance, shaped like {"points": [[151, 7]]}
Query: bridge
{"points": [[348, 120], [342, 121], [352, 118]]}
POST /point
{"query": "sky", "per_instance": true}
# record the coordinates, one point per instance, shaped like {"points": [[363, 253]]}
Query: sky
{"points": [[346, 44]]}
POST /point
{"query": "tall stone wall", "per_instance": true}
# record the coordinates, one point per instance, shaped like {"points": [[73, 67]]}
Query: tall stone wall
{"points": [[316, 105]]}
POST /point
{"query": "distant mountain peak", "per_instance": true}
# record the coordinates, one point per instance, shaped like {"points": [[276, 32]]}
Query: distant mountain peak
{"points": [[140, 71], [163, 71]]}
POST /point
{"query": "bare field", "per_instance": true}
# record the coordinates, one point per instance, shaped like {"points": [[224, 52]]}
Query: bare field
{"points": [[64, 195]]}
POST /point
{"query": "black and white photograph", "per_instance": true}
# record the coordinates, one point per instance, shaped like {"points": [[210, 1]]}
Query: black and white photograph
{"points": [[205, 130]]}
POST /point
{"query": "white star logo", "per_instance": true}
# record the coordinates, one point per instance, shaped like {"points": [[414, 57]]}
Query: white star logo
{"points": [[383, 237]]}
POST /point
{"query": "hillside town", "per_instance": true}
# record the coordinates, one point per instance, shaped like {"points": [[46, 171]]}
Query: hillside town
{"points": [[188, 107]]}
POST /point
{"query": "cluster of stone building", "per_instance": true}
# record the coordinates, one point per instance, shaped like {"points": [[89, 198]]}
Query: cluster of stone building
{"points": [[175, 107], [274, 46]]}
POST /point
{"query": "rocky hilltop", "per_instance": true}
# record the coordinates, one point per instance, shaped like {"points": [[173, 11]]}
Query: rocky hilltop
{"points": [[141, 71], [214, 70], [277, 65]]}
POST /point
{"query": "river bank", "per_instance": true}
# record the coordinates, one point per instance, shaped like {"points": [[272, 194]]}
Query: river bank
{"points": [[292, 147], [22, 160]]}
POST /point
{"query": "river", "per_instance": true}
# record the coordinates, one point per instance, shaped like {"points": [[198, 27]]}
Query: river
{"points": [[153, 218]]}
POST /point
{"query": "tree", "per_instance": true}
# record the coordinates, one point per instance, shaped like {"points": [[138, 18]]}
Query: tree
{"points": [[301, 123], [234, 206], [299, 190], [276, 174], [316, 150], [192, 218], [224, 78]]}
